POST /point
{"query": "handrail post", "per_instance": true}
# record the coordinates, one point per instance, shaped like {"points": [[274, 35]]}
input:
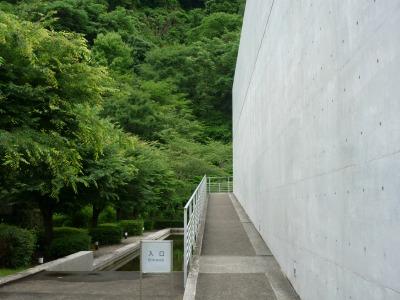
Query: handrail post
{"points": [[185, 236]]}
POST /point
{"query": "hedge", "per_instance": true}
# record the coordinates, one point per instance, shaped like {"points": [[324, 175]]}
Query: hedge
{"points": [[106, 234], [148, 224], [161, 224], [80, 218], [17, 246], [68, 240], [60, 232], [59, 220], [108, 215], [67, 245], [132, 227]]}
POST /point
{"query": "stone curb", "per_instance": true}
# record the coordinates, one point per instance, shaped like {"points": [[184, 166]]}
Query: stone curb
{"points": [[40, 268]]}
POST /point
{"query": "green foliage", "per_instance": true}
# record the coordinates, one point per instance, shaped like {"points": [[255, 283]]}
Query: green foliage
{"points": [[161, 224], [7, 271], [106, 234], [68, 240], [114, 103], [154, 188], [148, 224], [132, 227], [216, 25], [108, 215], [16, 246], [60, 232], [231, 6], [110, 50], [45, 75], [79, 218], [203, 71], [60, 220]]}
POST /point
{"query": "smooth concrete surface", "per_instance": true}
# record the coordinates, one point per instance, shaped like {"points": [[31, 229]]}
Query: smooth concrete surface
{"points": [[256, 240], [316, 142], [80, 261], [234, 287], [223, 233], [95, 286], [235, 263]]}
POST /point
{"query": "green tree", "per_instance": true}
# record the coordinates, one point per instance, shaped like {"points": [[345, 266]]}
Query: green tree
{"points": [[108, 161], [110, 50], [204, 72], [44, 78], [114, 102]]}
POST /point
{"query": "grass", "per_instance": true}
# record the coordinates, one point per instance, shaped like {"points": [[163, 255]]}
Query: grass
{"points": [[5, 272]]}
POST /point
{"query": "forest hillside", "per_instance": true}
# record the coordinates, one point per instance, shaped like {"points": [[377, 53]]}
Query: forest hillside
{"points": [[113, 106]]}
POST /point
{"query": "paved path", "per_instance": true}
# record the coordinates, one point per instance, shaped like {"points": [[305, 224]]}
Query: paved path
{"points": [[98, 285], [109, 285], [235, 263]]}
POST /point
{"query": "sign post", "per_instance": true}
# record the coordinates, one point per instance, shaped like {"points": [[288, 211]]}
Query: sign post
{"points": [[155, 257]]}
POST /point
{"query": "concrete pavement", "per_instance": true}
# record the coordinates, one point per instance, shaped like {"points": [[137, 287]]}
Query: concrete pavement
{"points": [[107, 285], [235, 263]]}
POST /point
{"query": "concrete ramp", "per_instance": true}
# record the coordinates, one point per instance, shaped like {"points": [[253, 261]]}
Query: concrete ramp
{"points": [[223, 233], [235, 263]]}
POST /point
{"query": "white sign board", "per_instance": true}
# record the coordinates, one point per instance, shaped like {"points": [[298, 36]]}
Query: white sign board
{"points": [[156, 256]]}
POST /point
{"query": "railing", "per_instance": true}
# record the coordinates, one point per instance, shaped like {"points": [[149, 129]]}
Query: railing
{"points": [[192, 217], [220, 184]]}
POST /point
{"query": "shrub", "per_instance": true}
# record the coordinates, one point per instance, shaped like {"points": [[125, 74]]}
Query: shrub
{"points": [[160, 224], [106, 234], [68, 240], [80, 218], [108, 215], [133, 227], [69, 244], [59, 220], [148, 224], [60, 232], [16, 246]]}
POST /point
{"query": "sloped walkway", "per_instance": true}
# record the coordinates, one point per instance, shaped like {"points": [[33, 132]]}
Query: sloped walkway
{"points": [[235, 263]]}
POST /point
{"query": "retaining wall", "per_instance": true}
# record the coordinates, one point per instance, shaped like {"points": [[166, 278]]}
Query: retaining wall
{"points": [[316, 142]]}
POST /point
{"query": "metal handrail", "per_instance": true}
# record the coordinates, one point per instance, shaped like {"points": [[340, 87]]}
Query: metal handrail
{"points": [[193, 211], [220, 184]]}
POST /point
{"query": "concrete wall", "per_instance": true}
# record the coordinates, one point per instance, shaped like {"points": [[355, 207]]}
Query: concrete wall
{"points": [[316, 116], [79, 261]]}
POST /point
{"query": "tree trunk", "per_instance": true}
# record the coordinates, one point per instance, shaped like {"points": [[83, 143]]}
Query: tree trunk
{"points": [[47, 215], [95, 216], [119, 213]]}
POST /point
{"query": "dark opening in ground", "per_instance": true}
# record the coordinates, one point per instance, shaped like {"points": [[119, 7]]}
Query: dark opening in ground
{"points": [[134, 264]]}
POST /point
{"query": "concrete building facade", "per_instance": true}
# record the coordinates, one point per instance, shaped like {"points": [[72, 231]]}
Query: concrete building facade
{"points": [[316, 142]]}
